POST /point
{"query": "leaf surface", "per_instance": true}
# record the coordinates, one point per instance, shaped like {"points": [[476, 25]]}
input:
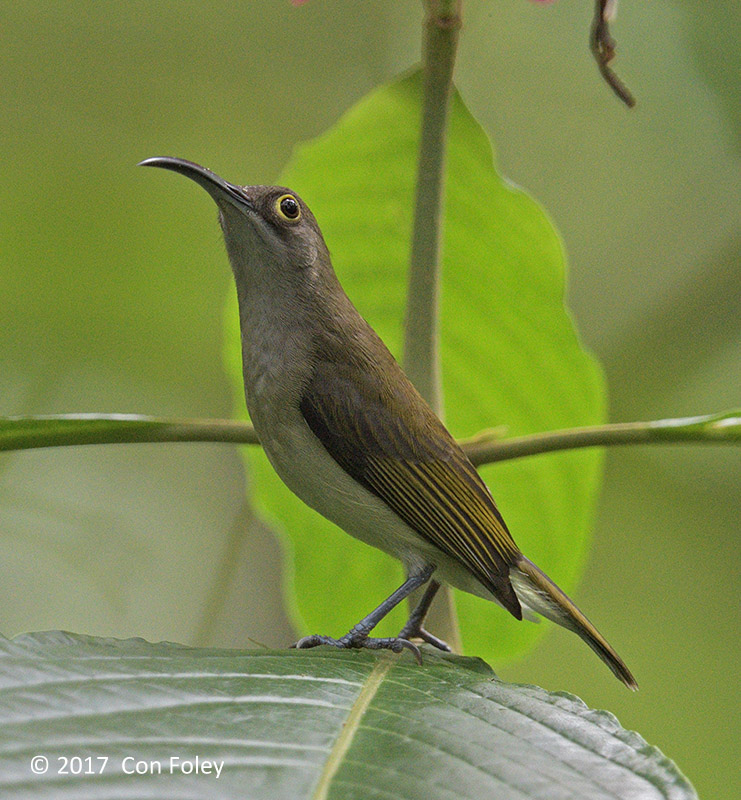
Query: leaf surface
{"points": [[298, 724]]}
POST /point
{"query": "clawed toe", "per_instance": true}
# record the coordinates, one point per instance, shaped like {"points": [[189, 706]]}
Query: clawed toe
{"points": [[425, 636], [314, 641], [396, 644], [355, 641]]}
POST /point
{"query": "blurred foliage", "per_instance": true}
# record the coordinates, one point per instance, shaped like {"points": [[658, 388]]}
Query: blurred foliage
{"points": [[509, 350], [112, 286]]}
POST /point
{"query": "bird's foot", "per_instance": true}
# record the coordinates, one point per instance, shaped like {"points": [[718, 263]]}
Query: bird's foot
{"points": [[418, 632], [359, 640]]}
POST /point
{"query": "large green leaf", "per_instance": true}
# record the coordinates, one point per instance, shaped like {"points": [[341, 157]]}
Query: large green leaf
{"points": [[510, 354], [297, 724]]}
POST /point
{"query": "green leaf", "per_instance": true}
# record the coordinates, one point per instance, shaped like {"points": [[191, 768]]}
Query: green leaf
{"points": [[299, 724], [511, 356]]}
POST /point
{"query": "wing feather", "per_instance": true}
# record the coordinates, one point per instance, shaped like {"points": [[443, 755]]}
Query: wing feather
{"points": [[413, 465]]}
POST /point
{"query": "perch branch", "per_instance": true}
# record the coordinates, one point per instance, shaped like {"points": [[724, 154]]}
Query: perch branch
{"points": [[67, 430]]}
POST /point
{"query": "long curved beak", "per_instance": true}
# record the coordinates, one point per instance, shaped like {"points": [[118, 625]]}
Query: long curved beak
{"points": [[217, 187]]}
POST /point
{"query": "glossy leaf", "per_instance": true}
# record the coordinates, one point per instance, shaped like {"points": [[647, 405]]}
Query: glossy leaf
{"points": [[298, 724], [511, 356]]}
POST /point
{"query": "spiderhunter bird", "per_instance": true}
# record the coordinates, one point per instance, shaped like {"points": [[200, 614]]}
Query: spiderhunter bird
{"points": [[349, 434]]}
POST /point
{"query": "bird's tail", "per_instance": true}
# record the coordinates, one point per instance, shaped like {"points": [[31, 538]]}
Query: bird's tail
{"points": [[536, 591]]}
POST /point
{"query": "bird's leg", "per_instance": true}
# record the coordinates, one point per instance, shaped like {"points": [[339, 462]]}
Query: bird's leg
{"points": [[357, 636], [413, 628]]}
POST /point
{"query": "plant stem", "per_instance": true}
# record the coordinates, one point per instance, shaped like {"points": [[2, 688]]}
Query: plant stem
{"points": [[66, 430], [602, 46], [58, 430], [709, 429], [422, 326], [421, 339]]}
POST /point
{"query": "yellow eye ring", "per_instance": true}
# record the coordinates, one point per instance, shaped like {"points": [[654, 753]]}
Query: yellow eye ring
{"points": [[288, 208]]}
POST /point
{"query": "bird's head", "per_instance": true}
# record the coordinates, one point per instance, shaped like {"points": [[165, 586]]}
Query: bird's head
{"points": [[270, 232]]}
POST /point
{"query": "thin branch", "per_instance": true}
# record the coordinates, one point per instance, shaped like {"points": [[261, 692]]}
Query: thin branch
{"points": [[421, 330], [66, 430], [603, 48], [723, 428]]}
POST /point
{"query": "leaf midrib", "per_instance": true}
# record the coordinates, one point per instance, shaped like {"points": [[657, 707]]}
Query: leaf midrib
{"points": [[354, 718]]}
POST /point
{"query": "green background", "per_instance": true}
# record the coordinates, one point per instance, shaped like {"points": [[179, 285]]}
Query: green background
{"points": [[112, 286]]}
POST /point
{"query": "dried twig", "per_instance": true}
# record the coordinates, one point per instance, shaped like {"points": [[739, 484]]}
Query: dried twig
{"points": [[603, 47]]}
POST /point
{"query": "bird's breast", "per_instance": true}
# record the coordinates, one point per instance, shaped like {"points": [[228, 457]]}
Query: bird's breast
{"points": [[306, 467]]}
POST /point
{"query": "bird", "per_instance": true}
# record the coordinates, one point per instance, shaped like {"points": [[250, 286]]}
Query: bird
{"points": [[348, 433]]}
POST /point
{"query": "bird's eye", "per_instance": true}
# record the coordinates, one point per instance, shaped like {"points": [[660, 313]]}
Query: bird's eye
{"points": [[288, 207]]}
